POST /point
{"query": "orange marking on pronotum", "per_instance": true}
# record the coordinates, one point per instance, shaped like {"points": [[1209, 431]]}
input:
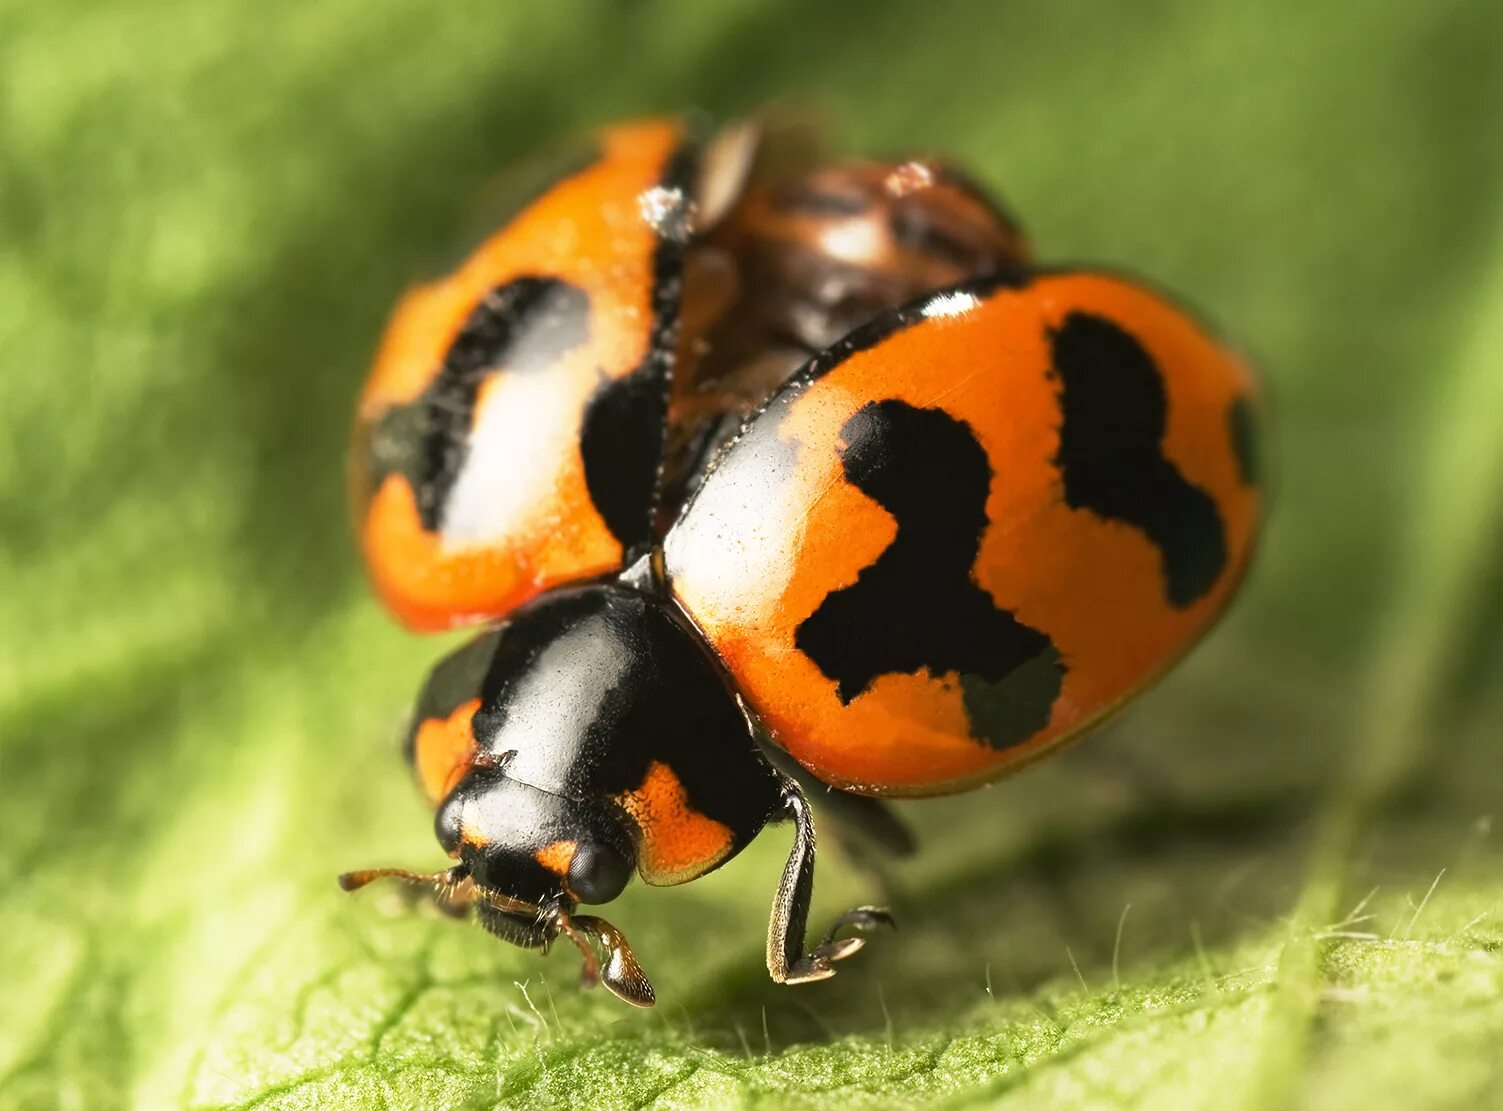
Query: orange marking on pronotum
{"points": [[678, 842], [444, 749], [556, 856]]}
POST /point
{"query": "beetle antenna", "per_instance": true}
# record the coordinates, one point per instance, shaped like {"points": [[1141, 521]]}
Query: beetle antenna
{"points": [[442, 882]]}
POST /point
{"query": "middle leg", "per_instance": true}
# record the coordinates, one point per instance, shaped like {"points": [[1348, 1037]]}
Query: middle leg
{"points": [[787, 961]]}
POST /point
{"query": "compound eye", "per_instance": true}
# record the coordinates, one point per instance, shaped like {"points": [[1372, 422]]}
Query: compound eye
{"points": [[598, 873], [446, 824]]}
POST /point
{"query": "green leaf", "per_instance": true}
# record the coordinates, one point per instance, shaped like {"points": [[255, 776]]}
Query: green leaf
{"points": [[1272, 884]]}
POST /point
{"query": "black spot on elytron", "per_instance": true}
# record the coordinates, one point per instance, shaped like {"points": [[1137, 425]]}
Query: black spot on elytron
{"points": [[1010, 711], [621, 443], [523, 326], [917, 607], [1242, 430], [1111, 457]]}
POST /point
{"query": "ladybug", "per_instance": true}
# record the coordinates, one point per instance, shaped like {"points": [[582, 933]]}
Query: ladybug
{"points": [[763, 474]]}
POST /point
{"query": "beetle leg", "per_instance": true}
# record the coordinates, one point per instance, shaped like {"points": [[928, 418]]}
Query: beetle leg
{"points": [[866, 827], [787, 962], [622, 975], [864, 830]]}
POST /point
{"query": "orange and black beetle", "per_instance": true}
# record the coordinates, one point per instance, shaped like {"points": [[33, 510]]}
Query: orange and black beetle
{"points": [[760, 472]]}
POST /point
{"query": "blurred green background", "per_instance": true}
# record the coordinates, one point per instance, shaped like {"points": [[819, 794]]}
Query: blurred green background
{"points": [[206, 210]]}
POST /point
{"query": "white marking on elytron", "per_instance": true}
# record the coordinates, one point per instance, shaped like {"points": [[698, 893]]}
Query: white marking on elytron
{"points": [[523, 429], [737, 546], [950, 304]]}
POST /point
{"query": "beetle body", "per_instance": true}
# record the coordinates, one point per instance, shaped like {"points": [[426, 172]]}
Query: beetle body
{"points": [[758, 474]]}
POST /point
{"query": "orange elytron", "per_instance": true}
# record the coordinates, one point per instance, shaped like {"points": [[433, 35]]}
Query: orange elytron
{"points": [[509, 434], [973, 528]]}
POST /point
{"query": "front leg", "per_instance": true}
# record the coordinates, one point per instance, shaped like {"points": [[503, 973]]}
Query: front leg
{"points": [[786, 960]]}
